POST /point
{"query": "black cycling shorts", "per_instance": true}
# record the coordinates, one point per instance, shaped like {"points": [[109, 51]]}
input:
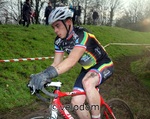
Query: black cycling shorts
{"points": [[105, 70]]}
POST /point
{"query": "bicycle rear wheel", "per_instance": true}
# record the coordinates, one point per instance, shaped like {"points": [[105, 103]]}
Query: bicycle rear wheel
{"points": [[120, 109]]}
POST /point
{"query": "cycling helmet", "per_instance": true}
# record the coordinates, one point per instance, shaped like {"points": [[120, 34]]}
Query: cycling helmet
{"points": [[60, 13]]}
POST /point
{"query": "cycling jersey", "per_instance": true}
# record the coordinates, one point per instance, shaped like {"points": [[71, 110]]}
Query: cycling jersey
{"points": [[80, 37]]}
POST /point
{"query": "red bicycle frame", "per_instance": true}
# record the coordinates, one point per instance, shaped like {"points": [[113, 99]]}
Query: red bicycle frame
{"points": [[62, 109]]}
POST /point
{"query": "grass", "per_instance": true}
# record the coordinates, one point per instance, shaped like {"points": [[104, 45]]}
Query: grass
{"points": [[141, 68], [37, 41]]}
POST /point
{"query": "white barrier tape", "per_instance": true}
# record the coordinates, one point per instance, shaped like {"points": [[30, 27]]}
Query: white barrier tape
{"points": [[26, 59], [44, 58], [127, 44]]}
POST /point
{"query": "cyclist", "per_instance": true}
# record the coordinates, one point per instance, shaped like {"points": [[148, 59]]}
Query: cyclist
{"points": [[84, 48]]}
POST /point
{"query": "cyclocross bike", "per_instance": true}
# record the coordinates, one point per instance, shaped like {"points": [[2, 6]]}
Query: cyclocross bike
{"points": [[113, 109]]}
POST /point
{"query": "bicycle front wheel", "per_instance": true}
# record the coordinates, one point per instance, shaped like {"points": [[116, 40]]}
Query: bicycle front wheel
{"points": [[40, 115], [119, 108]]}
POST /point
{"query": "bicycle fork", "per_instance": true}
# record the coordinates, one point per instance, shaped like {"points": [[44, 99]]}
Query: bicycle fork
{"points": [[57, 106], [54, 112], [108, 108]]}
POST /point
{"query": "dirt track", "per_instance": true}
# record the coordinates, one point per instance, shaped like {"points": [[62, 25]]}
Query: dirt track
{"points": [[123, 84]]}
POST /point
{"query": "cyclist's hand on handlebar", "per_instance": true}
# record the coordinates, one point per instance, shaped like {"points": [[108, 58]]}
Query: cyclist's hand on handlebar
{"points": [[37, 81]]}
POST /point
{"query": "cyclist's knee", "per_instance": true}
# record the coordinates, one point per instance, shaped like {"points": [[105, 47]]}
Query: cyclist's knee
{"points": [[86, 84], [90, 82], [78, 100]]}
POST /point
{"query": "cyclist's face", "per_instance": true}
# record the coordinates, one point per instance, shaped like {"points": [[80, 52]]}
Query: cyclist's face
{"points": [[59, 29]]}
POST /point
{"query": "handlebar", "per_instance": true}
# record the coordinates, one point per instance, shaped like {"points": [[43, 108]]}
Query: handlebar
{"points": [[48, 93], [54, 84]]}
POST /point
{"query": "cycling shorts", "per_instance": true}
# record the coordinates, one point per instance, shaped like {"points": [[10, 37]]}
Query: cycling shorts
{"points": [[105, 70]]}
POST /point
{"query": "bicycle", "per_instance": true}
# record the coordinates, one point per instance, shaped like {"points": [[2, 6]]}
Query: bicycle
{"points": [[113, 109]]}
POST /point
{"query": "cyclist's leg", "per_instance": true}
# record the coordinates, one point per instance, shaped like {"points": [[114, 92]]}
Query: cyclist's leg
{"points": [[95, 76], [80, 107], [80, 99], [90, 81]]}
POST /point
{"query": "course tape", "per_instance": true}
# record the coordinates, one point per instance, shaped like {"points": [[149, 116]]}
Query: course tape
{"points": [[127, 44], [44, 58], [26, 59]]}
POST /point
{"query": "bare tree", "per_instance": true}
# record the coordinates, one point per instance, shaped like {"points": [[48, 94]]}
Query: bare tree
{"points": [[136, 9], [137, 16], [2, 3], [147, 9], [106, 10], [101, 7], [86, 5], [3, 12], [38, 6], [113, 5]]}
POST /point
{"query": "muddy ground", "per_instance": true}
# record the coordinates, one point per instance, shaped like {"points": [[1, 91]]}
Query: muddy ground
{"points": [[123, 84]]}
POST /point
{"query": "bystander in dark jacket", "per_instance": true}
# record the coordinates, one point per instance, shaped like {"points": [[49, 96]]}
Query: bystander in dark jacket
{"points": [[47, 12], [26, 13], [78, 14]]}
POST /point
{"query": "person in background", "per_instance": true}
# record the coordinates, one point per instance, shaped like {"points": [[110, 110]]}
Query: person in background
{"points": [[47, 12], [26, 13], [78, 14], [82, 47], [95, 17]]}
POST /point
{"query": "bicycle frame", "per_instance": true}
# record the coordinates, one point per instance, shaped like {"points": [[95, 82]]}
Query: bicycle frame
{"points": [[58, 106]]}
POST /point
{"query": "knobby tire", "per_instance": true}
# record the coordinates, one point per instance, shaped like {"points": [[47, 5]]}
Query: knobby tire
{"points": [[120, 109]]}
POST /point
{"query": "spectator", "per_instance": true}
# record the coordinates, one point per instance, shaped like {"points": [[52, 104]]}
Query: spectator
{"points": [[26, 13], [78, 14], [95, 17], [47, 12]]}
